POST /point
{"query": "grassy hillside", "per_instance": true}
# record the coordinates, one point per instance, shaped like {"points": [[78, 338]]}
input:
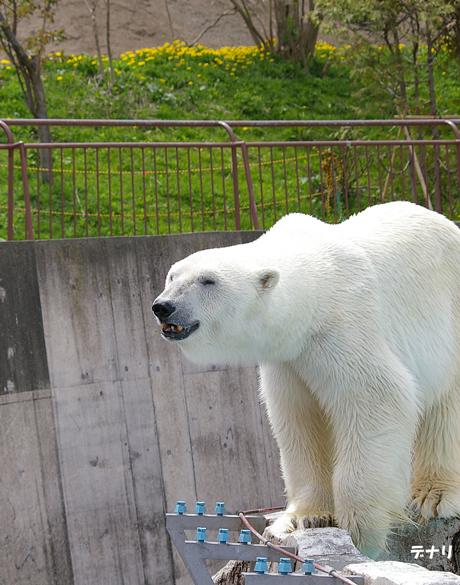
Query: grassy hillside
{"points": [[177, 82]]}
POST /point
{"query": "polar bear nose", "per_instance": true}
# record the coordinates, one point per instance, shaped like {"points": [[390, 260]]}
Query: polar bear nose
{"points": [[163, 310]]}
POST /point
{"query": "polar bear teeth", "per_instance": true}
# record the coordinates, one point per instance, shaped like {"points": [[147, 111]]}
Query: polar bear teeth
{"points": [[173, 328]]}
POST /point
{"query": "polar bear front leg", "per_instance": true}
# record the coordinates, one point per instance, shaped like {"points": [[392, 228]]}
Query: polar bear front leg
{"points": [[304, 439], [371, 482], [436, 467]]}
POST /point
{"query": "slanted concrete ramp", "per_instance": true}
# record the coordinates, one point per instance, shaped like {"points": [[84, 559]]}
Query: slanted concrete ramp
{"points": [[103, 425]]}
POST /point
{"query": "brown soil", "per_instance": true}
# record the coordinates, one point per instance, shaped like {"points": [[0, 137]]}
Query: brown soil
{"points": [[140, 24]]}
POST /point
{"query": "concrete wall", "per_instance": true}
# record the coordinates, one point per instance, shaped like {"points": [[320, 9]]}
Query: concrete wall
{"points": [[103, 425]]}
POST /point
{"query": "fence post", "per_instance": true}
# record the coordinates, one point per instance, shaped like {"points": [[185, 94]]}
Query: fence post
{"points": [[236, 194], [25, 183], [9, 137]]}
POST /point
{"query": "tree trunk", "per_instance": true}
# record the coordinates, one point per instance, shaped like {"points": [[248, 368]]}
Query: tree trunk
{"points": [[256, 36], [109, 48], [34, 93], [92, 11], [297, 33], [311, 36], [41, 111], [400, 69], [433, 112], [456, 29]]}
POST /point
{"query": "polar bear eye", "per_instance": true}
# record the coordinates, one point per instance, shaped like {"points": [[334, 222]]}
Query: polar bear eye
{"points": [[207, 281]]}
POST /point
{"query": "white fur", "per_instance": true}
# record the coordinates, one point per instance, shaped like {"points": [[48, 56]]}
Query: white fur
{"points": [[356, 328]]}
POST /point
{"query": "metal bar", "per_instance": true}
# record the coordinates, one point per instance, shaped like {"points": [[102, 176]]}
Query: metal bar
{"points": [[296, 579], [449, 183], [50, 192], [320, 156], [109, 170], [224, 196], [167, 190], [403, 176], [262, 207], [337, 211], [212, 522], [229, 124], [297, 177], [286, 197], [231, 551], [98, 202], [74, 192], [62, 195], [25, 184], [357, 178], [236, 193], [190, 189], [213, 196], [156, 189], [133, 191], [86, 191], [252, 203], [144, 193], [177, 524], [9, 137], [178, 189], [345, 180], [10, 192], [368, 176], [309, 180], [273, 184], [201, 190], [122, 205]]}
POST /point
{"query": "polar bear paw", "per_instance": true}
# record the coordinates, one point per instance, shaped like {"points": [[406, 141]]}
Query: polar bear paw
{"points": [[291, 521], [435, 500]]}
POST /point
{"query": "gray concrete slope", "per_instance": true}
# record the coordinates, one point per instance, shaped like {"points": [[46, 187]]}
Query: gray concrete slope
{"points": [[103, 425]]}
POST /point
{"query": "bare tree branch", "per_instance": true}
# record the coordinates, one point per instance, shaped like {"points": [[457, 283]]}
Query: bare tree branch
{"points": [[228, 12], [92, 11], [170, 20]]}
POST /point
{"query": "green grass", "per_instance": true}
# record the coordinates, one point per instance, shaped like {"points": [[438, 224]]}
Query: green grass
{"points": [[179, 83]]}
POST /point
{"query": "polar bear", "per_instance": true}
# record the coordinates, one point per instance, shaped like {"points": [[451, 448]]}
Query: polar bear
{"points": [[356, 329]]}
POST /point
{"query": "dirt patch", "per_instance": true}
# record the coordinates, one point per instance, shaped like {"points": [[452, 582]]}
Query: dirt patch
{"points": [[140, 24]]}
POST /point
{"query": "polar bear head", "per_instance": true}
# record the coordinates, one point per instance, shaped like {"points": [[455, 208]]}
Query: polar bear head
{"points": [[216, 305]]}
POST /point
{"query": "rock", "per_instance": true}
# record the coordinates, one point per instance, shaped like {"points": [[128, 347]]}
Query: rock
{"points": [[397, 573]]}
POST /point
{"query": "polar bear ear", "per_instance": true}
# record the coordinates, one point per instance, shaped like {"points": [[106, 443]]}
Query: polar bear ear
{"points": [[268, 278]]}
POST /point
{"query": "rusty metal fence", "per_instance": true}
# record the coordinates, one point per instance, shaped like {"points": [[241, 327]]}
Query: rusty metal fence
{"points": [[331, 169]]}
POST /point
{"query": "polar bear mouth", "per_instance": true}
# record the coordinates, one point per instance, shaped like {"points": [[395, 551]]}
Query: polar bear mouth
{"points": [[177, 332]]}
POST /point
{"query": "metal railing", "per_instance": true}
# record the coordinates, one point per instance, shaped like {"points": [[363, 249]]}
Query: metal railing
{"points": [[330, 169]]}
